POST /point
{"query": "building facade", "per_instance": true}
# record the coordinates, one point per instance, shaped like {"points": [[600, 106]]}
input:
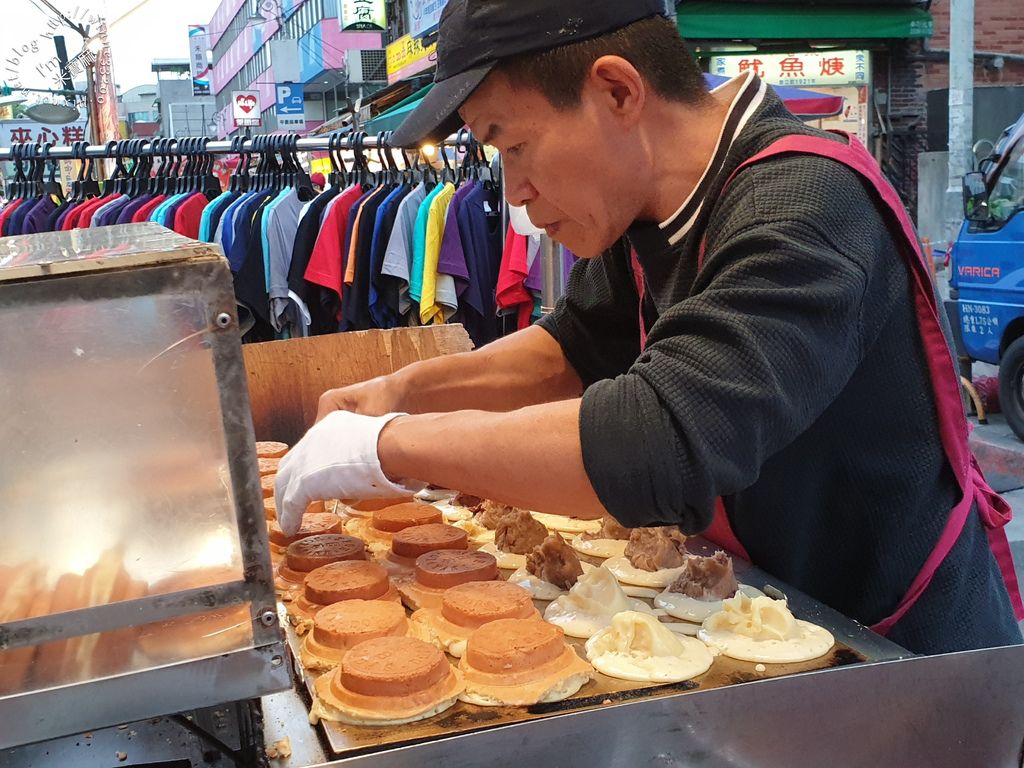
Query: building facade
{"points": [[321, 53]]}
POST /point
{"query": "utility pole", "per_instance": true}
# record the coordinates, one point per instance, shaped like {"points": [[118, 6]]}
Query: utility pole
{"points": [[961, 107]]}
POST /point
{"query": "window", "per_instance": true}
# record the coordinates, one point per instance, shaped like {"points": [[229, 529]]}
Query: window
{"points": [[1007, 196]]}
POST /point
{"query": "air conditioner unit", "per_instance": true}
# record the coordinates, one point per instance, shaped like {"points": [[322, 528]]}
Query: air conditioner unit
{"points": [[367, 65]]}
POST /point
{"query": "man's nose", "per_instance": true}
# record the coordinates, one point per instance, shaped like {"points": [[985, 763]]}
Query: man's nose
{"points": [[518, 189]]}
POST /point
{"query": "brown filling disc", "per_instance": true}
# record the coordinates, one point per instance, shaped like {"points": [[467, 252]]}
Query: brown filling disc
{"points": [[347, 580], [314, 551], [514, 645], [269, 449], [343, 625], [400, 516], [393, 666], [370, 505], [446, 568], [479, 602], [313, 523], [420, 539]]}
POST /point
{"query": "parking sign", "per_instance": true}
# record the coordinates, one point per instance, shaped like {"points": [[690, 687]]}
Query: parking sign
{"points": [[290, 106]]}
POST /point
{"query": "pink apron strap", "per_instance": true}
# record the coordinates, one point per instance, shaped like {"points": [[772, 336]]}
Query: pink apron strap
{"points": [[720, 531], [994, 512]]}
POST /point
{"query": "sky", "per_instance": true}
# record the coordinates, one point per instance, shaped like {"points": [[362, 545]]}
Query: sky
{"points": [[157, 29]]}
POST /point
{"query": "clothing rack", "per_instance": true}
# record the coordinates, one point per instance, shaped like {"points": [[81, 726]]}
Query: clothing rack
{"points": [[351, 141]]}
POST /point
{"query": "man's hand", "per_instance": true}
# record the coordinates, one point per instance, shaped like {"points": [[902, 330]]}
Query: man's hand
{"points": [[369, 398], [337, 459]]}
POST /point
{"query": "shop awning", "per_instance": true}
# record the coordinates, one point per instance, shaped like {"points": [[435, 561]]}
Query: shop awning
{"points": [[776, 21], [391, 118], [807, 105], [802, 103]]}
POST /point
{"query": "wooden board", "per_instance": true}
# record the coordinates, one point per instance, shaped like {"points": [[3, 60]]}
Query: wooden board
{"points": [[286, 378]]}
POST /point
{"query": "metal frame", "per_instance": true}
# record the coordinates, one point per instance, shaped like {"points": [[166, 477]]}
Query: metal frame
{"points": [[247, 673], [304, 144], [955, 710]]}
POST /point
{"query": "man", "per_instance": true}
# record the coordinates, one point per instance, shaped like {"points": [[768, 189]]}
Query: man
{"points": [[760, 334]]}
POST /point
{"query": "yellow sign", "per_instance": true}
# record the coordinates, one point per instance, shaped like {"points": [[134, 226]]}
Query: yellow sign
{"points": [[407, 56]]}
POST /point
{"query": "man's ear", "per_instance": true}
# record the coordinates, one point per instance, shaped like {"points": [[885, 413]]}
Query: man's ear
{"points": [[617, 84]]}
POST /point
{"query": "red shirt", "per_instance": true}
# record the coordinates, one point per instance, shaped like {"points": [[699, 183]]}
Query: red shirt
{"points": [[511, 291], [188, 214], [325, 262], [8, 210], [85, 216], [142, 214]]}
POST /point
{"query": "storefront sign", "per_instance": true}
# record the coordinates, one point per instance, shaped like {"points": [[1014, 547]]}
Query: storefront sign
{"points": [[363, 15], [199, 64], [16, 131], [407, 57], [290, 106], [799, 69], [424, 16], [245, 108]]}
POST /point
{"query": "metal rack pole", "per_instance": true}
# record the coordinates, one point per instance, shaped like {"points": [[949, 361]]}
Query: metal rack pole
{"points": [[305, 144]]}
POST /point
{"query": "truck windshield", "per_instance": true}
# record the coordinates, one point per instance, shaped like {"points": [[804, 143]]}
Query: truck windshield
{"points": [[1008, 192]]}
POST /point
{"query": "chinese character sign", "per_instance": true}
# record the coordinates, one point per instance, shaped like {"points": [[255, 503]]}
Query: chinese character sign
{"points": [[198, 62], [799, 69], [424, 16], [407, 57], [363, 15], [245, 108]]}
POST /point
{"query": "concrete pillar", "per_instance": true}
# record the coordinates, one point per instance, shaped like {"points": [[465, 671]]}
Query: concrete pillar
{"points": [[961, 106]]}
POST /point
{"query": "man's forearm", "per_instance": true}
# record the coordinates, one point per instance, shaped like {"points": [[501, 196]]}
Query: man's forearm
{"points": [[524, 369], [529, 457]]}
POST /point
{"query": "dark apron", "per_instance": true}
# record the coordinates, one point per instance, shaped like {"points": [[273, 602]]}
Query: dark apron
{"points": [[995, 513]]}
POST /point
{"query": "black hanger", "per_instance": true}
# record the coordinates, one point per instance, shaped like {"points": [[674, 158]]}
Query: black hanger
{"points": [[362, 168], [302, 183], [52, 186], [85, 186], [17, 186], [448, 174], [160, 145], [338, 176]]}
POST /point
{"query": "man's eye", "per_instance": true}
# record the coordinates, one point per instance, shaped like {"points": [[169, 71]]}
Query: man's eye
{"points": [[515, 149]]}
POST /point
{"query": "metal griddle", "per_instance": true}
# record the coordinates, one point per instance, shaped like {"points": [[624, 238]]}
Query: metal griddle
{"points": [[855, 644]]}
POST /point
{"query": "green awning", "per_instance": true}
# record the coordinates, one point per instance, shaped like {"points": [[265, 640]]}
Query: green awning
{"points": [[776, 21], [392, 117]]}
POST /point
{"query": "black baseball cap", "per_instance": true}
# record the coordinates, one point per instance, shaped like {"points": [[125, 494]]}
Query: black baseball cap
{"points": [[474, 35]]}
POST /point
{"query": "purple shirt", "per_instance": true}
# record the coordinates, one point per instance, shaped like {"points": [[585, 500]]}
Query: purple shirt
{"points": [[126, 213], [452, 258], [35, 221]]}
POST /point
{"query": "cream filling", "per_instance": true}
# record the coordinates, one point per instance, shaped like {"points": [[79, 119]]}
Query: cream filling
{"points": [[589, 606], [627, 574], [603, 548], [508, 561], [638, 647], [564, 524], [478, 534], [690, 609], [537, 587], [761, 629]]}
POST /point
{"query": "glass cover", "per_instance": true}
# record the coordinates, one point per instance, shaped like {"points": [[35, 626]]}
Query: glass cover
{"points": [[113, 472]]}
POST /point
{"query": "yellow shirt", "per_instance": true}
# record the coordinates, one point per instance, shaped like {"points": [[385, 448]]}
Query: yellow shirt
{"points": [[430, 311]]}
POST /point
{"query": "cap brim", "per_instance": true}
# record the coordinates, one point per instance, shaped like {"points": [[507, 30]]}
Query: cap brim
{"points": [[436, 117]]}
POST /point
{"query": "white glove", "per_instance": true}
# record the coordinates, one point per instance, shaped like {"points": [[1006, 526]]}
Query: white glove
{"points": [[336, 459]]}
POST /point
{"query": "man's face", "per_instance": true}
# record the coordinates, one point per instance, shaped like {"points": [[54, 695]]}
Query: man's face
{"points": [[575, 170]]}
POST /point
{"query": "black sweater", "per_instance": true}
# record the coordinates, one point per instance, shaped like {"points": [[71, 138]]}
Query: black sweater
{"points": [[787, 376]]}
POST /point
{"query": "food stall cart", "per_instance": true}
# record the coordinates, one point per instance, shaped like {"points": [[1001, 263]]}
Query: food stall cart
{"points": [[127, 458]]}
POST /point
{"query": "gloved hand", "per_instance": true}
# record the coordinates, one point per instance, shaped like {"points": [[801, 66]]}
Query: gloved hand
{"points": [[336, 459]]}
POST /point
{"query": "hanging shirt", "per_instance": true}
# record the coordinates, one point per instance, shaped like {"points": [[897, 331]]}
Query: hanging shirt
{"points": [[59, 224], [243, 229], [397, 265], [431, 309], [282, 222], [6, 213], [511, 293], [356, 312], [188, 214], [250, 279], [14, 223], [326, 265], [383, 313], [212, 213], [143, 213], [419, 246], [107, 215], [128, 210], [224, 233], [54, 217], [480, 234], [35, 220]]}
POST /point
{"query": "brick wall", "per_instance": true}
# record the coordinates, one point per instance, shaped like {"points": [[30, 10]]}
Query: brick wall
{"points": [[998, 27], [906, 114]]}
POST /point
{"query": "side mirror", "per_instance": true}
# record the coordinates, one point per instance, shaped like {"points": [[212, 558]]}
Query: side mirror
{"points": [[975, 197]]}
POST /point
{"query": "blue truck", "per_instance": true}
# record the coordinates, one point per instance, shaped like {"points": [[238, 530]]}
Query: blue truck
{"points": [[986, 298]]}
